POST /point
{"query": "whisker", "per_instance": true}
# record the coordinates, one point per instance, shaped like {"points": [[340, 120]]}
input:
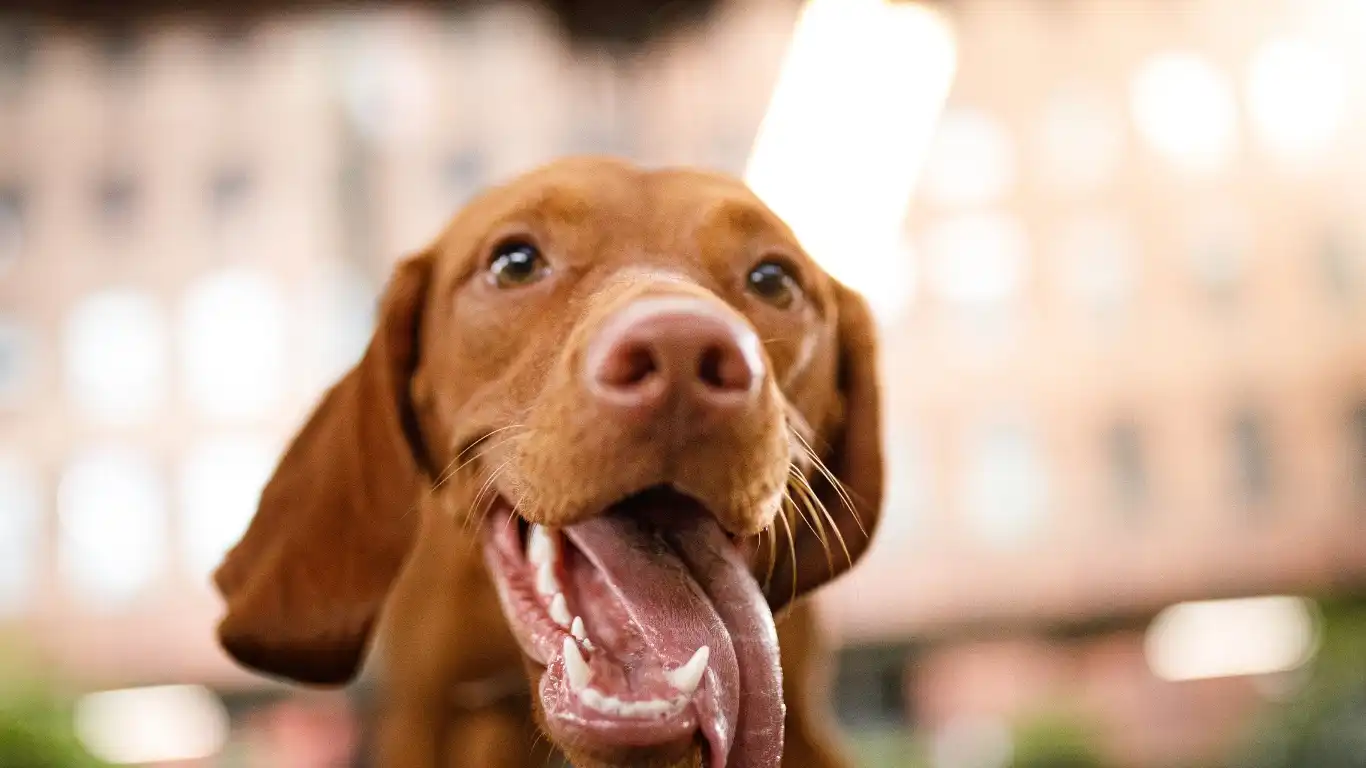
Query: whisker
{"points": [[834, 482], [792, 550], [807, 509], [819, 505], [450, 470], [485, 488]]}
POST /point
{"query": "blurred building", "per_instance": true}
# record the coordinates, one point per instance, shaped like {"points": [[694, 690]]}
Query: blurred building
{"points": [[1125, 343], [1131, 370]]}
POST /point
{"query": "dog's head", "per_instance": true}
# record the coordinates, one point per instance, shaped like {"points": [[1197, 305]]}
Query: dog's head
{"points": [[659, 415]]}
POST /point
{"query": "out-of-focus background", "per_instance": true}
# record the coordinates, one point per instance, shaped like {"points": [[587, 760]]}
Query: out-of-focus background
{"points": [[1118, 249]]}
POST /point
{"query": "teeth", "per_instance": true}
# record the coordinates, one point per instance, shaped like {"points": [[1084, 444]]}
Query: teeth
{"points": [[577, 629], [612, 705], [559, 610], [542, 546], [687, 677], [546, 583], [575, 668], [593, 698]]}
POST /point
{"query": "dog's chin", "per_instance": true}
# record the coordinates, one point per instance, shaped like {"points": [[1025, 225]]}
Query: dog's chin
{"points": [[648, 640]]}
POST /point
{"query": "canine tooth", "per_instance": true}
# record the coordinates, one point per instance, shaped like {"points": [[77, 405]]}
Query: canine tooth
{"points": [[687, 677], [542, 546], [592, 697], [577, 629], [575, 668], [559, 610], [546, 583]]}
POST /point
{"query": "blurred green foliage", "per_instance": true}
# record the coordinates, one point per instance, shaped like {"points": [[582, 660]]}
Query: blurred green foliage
{"points": [[1056, 740], [36, 727], [1323, 725]]}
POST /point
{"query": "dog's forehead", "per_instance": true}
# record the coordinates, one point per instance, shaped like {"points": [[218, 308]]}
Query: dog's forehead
{"points": [[612, 194]]}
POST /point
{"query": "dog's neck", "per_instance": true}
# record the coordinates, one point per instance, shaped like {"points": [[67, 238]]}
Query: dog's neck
{"points": [[488, 691]]}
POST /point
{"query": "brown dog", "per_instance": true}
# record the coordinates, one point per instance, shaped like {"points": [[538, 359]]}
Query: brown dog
{"points": [[609, 424]]}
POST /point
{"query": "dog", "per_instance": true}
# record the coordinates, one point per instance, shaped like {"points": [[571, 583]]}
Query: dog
{"points": [[611, 423]]}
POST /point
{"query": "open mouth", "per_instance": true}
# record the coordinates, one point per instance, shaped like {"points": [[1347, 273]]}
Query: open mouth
{"points": [[650, 629]]}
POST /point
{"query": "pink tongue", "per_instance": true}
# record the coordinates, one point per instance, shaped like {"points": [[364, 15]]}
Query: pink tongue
{"points": [[712, 600]]}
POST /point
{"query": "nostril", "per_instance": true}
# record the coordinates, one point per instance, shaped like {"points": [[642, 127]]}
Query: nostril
{"points": [[724, 368], [628, 367]]}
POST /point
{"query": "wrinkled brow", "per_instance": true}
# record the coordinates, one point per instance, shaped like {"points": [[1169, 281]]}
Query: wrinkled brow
{"points": [[559, 204], [741, 216]]}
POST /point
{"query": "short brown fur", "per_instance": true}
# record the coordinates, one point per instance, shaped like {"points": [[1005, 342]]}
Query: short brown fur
{"points": [[370, 525]]}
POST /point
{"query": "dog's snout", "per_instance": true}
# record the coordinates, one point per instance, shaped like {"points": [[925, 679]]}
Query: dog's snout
{"points": [[674, 350]]}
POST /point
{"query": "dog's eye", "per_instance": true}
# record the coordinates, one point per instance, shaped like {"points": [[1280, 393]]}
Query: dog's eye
{"points": [[516, 263], [773, 282]]}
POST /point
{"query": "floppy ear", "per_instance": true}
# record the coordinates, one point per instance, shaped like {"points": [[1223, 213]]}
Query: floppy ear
{"points": [[306, 581], [853, 458]]}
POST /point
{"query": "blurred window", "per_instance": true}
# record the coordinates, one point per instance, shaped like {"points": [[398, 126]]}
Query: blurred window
{"points": [[870, 687], [463, 175], [977, 261], [1252, 458], [1185, 108], [908, 486], [1128, 469], [20, 533], [111, 506], [220, 485], [117, 198], [971, 161], [120, 48], [11, 227], [1220, 241], [1005, 484], [230, 194], [17, 44], [16, 364], [341, 318], [1081, 138], [233, 326], [1358, 450], [115, 355], [1341, 265], [1297, 97], [1098, 263]]}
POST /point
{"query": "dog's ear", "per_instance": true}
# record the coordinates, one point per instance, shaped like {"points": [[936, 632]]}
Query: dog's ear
{"points": [[305, 583], [852, 490]]}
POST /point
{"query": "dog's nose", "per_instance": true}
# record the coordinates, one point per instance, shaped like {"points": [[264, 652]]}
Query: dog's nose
{"points": [[674, 349]]}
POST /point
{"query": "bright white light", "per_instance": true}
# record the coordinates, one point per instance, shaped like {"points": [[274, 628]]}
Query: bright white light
{"points": [[1185, 109], [973, 742], [220, 486], [1004, 484], [20, 529], [152, 725], [1081, 138], [971, 162], [16, 355], [977, 260], [116, 355], [846, 133], [1098, 261], [1226, 638], [112, 509], [1297, 97], [385, 86], [233, 352]]}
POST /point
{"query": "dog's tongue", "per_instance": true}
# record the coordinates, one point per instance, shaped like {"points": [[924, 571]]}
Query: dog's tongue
{"points": [[684, 584]]}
